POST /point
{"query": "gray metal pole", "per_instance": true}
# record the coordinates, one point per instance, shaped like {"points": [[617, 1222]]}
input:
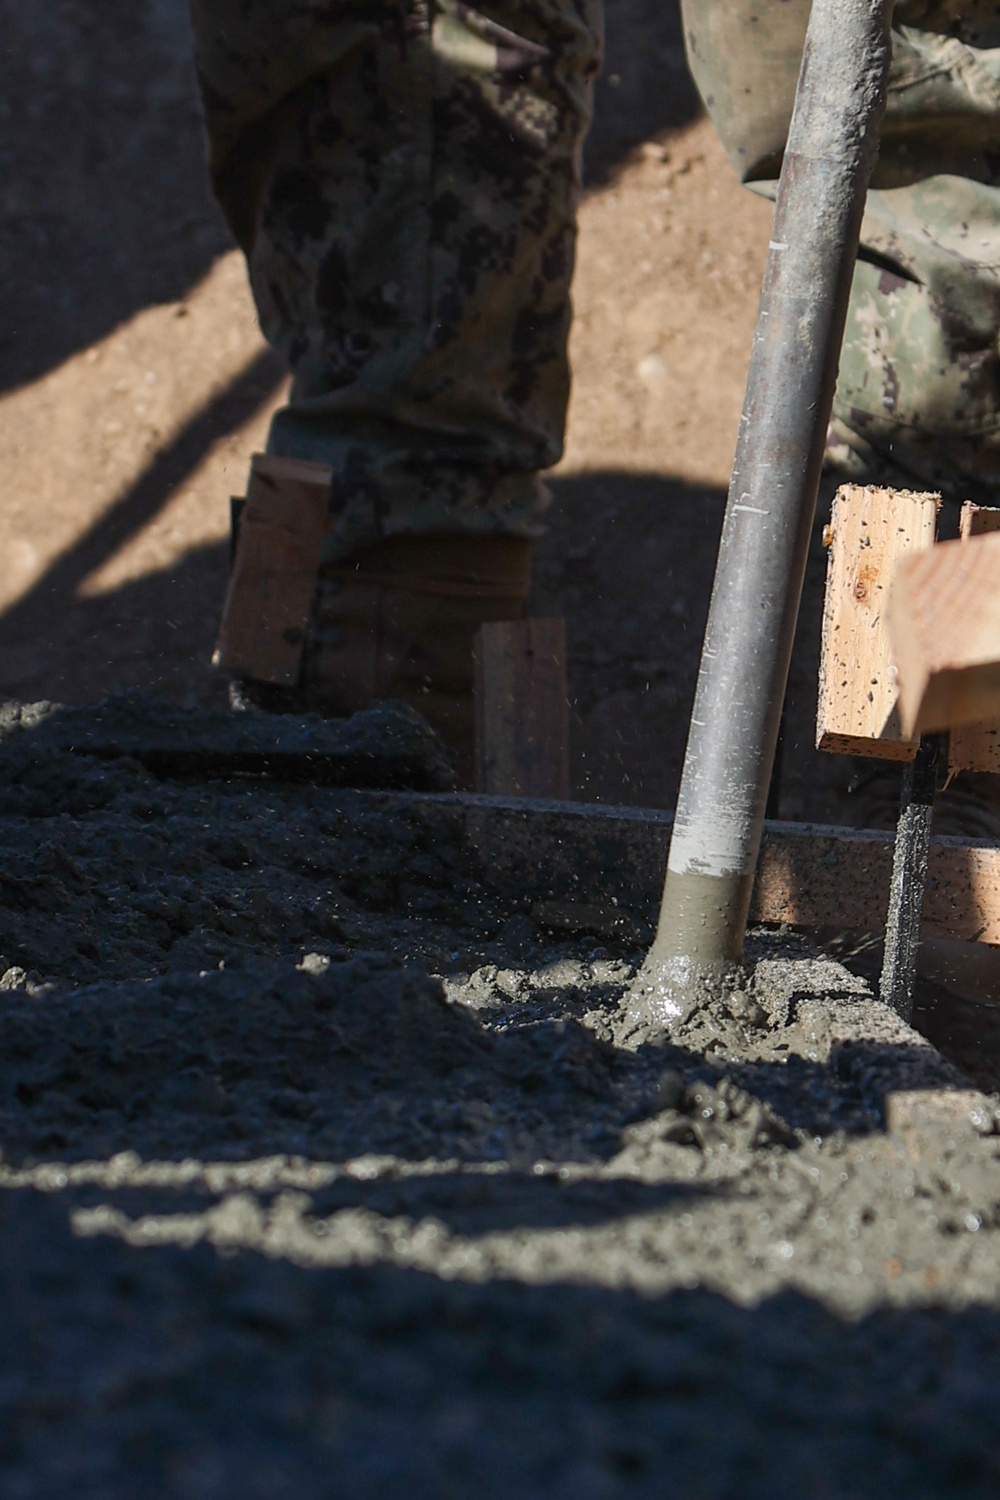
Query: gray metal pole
{"points": [[909, 878], [832, 146]]}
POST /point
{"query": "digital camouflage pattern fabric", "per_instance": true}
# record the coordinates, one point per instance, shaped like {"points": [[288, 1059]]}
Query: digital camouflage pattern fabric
{"points": [[920, 371], [402, 176]]}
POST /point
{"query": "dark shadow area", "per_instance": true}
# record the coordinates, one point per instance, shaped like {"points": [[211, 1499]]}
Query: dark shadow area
{"points": [[628, 560], [846, 1093], [147, 1365], [156, 632], [964, 1030], [645, 88], [105, 197], [474, 1206], [107, 202]]}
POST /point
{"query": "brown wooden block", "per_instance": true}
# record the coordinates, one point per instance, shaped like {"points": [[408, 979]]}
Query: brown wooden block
{"points": [[870, 529], [522, 718], [276, 562], [944, 622], [838, 877], [976, 747]]}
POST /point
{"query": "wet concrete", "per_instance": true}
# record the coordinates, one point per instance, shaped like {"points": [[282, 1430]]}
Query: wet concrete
{"points": [[387, 745], [327, 1170]]}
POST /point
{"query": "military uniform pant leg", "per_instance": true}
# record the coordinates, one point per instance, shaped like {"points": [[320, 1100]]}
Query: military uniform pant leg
{"points": [[402, 176], [920, 370]]}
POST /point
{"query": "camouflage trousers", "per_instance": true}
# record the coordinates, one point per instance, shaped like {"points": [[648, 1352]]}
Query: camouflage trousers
{"points": [[402, 176], [920, 370]]}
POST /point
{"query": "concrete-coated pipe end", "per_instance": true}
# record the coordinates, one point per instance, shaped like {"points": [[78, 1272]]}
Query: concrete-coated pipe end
{"points": [[695, 958], [666, 991]]}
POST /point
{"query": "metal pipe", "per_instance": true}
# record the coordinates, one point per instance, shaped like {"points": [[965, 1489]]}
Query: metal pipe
{"points": [[832, 146], [909, 878]]}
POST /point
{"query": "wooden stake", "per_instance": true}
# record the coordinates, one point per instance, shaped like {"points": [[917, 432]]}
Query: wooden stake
{"points": [[522, 719], [870, 530], [276, 563], [944, 621], [976, 747]]}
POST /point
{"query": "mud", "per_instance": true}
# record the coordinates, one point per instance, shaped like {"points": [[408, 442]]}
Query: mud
{"points": [[324, 1173]]}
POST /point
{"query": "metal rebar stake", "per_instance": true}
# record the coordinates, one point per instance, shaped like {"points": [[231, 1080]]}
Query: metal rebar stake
{"points": [[909, 878], [832, 146]]}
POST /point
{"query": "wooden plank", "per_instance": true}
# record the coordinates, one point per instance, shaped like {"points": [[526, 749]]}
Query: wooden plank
{"points": [[944, 622], [522, 716], [870, 530], [816, 877], [978, 520], [273, 577], [976, 747]]}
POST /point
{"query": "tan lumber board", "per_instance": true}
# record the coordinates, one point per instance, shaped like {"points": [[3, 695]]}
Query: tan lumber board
{"points": [[824, 877], [978, 520], [944, 623], [522, 715], [976, 747], [275, 567], [870, 530], [809, 876], [840, 878]]}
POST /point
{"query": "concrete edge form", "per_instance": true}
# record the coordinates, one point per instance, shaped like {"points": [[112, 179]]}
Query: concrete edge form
{"points": [[610, 861]]}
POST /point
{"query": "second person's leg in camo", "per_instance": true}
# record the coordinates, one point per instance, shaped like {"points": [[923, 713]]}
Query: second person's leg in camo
{"points": [[918, 394], [402, 176]]}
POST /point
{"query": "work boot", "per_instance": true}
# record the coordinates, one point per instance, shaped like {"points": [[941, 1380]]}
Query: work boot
{"points": [[396, 620], [399, 619]]}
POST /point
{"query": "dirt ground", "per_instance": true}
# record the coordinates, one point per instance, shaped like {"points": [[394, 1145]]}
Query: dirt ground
{"points": [[322, 1172]]}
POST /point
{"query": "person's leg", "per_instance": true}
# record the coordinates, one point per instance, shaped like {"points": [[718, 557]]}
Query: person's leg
{"points": [[403, 176], [919, 380]]}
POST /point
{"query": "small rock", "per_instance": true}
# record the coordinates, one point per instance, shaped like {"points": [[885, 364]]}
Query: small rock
{"points": [[651, 369], [314, 963]]}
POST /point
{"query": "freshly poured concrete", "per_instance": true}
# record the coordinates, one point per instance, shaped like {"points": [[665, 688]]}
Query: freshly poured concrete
{"points": [[329, 1170]]}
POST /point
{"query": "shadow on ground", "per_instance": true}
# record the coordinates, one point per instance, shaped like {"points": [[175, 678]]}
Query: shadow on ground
{"points": [[185, 1372], [628, 560], [106, 204], [639, 544], [59, 643]]}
